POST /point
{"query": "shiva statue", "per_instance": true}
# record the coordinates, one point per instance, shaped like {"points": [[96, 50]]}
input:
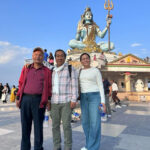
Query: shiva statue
{"points": [[87, 31]]}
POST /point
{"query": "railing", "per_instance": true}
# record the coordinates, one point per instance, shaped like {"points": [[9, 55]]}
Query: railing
{"points": [[45, 63]]}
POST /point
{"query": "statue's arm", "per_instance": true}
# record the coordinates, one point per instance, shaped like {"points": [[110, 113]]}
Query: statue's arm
{"points": [[100, 33], [78, 35]]}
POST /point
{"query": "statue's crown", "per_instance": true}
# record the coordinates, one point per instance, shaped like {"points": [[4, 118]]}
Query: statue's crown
{"points": [[87, 9]]}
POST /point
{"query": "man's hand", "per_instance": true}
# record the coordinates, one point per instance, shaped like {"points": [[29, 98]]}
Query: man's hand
{"points": [[72, 105], [17, 103], [48, 106]]}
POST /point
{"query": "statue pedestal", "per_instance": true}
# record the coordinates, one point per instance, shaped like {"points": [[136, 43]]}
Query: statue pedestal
{"points": [[73, 57], [91, 47]]}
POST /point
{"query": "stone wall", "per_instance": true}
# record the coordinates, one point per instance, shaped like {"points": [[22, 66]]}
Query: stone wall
{"points": [[134, 96]]}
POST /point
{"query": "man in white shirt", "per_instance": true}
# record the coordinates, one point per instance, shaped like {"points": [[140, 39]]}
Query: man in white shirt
{"points": [[114, 94]]}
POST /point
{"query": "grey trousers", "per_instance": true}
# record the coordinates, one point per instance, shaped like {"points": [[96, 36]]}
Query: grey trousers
{"points": [[61, 112], [108, 108]]}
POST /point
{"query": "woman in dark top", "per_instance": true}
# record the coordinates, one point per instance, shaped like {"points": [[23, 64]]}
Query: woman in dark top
{"points": [[51, 59], [1, 88], [8, 87]]}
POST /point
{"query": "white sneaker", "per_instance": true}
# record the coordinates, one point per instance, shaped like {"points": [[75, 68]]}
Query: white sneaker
{"points": [[83, 148], [104, 118], [118, 106], [109, 116]]}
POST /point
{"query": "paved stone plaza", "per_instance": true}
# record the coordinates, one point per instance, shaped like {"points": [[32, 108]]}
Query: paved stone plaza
{"points": [[128, 129]]}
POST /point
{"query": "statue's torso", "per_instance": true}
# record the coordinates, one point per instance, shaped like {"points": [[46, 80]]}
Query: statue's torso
{"points": [[86, 31]]}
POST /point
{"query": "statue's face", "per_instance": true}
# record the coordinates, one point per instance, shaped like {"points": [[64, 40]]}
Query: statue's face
{"points": [[88, 16]]}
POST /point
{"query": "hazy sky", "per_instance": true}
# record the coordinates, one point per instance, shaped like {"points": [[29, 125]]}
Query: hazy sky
{"points": [[51, 24]]}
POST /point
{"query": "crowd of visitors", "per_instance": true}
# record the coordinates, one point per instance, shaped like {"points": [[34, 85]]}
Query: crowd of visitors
{"points": [[7, 94], [48, 58], [4, 91]]}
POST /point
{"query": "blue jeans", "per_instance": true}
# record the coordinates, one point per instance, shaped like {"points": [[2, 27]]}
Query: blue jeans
{"points": [[91, 120]]}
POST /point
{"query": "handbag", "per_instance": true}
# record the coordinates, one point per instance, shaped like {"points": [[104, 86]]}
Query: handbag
{"points": [[79, 89]]}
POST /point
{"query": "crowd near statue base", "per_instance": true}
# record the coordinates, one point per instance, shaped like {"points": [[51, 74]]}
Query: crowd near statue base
{"points": [[99, 58]]}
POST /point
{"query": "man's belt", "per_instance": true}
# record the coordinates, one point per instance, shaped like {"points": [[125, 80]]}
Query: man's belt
{"points": [[33, 95]]}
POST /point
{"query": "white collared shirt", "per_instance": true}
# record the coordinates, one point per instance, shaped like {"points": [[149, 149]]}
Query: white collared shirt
{"points": [[114, 87]]}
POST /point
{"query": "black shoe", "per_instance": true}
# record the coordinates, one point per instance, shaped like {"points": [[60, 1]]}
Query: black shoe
{"points": [[73, 121], [113, 110]]}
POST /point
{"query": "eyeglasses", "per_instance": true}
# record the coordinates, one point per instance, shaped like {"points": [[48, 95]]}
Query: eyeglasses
{"points": [[85, 59], [60, 56]]}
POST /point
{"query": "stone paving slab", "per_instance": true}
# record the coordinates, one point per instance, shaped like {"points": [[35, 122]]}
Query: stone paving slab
{"points": [[134, 142], [5, 131], [113, 130], [133, 112]]}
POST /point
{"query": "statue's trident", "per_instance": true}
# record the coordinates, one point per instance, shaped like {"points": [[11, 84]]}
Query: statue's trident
{"points": [[108, 6]]}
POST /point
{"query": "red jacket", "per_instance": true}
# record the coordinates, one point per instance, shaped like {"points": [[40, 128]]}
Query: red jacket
{"points": [[46, 89]]}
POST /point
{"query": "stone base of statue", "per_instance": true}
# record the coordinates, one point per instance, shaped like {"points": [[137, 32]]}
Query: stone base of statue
{"points": [[91, 46], [73, 56]]}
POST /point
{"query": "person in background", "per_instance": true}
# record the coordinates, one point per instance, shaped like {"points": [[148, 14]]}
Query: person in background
{"points": [[102, 60], [114, 94], [64, 97], [92, 94], [45, 55], [51, 59], [4, 94], [15, 91], [110, 99], [107, 92], [8, 87], [94, 58], [102, 57], [12, 95], [1, 88], [32, 98]]}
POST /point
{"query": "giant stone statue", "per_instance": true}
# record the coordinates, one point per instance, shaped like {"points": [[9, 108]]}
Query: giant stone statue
{"points": [[87, 31]]}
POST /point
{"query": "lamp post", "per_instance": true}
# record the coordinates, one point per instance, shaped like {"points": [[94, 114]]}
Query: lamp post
{"points": [[108, 6]]}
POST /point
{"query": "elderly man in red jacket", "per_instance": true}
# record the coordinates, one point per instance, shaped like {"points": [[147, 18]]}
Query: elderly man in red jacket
{"points": [[32, 98]]}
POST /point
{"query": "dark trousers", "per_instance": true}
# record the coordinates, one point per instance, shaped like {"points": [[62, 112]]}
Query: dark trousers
{"points": [[30, 111], [0, 94], [115, 98]]}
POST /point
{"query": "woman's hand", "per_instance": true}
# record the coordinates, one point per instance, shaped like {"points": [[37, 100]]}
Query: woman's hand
{"points": [[104, 106]]}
